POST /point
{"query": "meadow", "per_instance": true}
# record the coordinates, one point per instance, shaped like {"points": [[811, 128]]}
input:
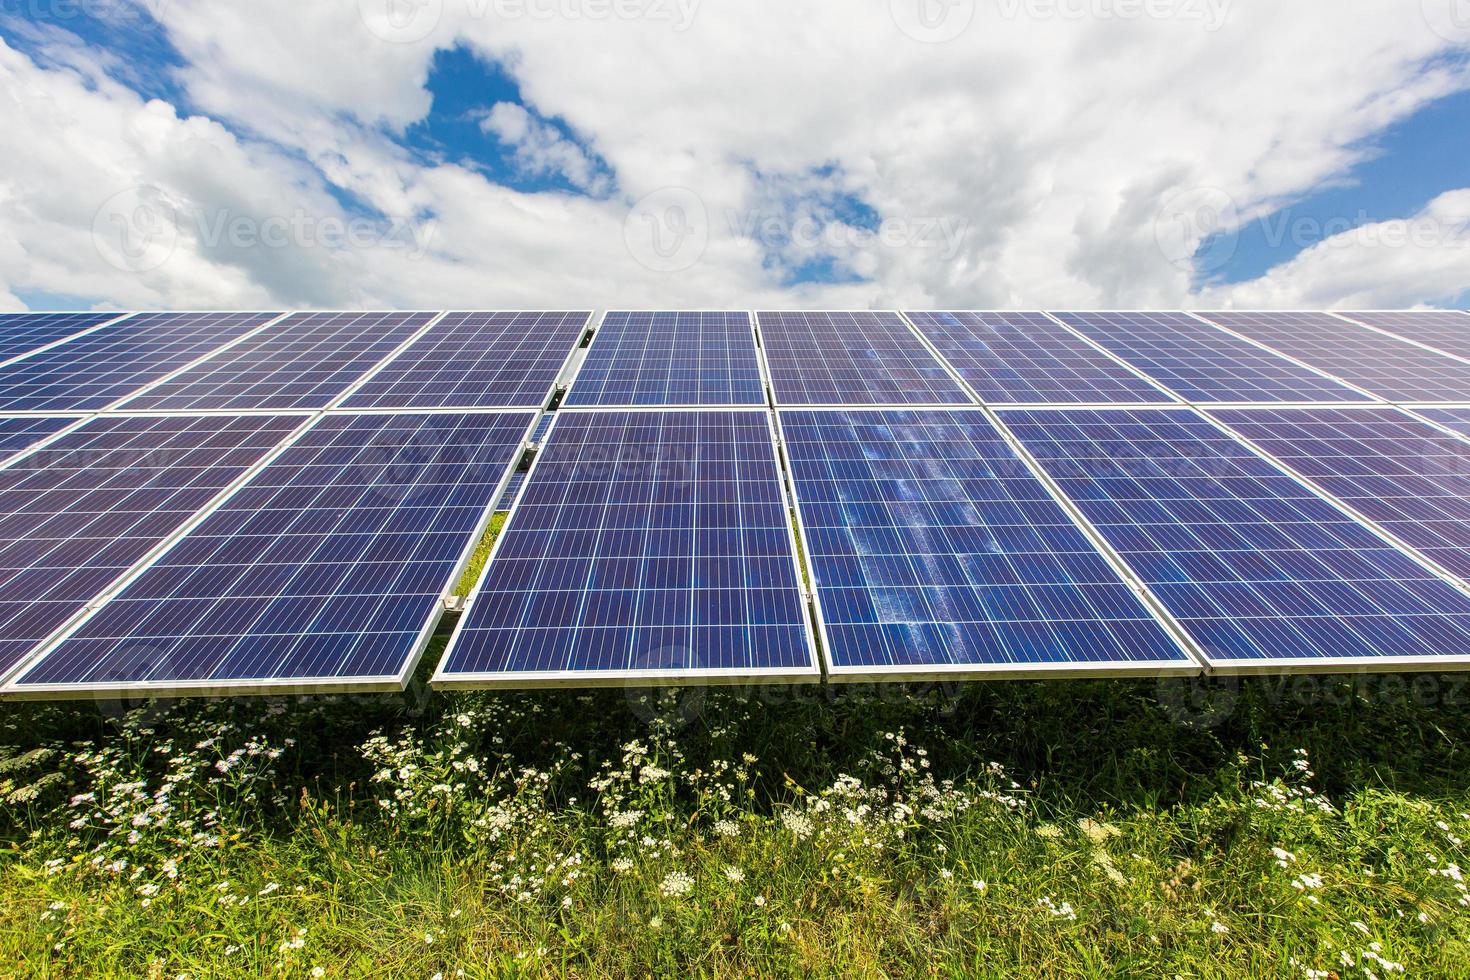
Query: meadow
{"points": [[1296, 827]]}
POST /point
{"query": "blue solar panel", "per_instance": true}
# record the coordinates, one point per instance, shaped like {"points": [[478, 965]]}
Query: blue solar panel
{"points": [[102, 367], [1454, 419], [79, 512], [305, 361], [935, 550], [21, 333], [1445, 330], [1202, 364], [478, 360], [645, 544], [20, 433], [1386, 366], [1258, 569], [852, 358], [327, 568], [671, 359], [1403, 474], [1015, 358]]}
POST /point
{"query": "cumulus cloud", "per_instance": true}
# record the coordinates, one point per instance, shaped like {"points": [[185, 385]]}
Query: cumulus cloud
{"points": [[1020, 154]]}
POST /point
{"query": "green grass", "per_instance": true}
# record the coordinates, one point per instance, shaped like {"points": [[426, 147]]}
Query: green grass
{"points": [[1266, 827]]}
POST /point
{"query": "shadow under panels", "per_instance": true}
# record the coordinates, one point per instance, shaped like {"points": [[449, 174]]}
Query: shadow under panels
{"points": [[325, 570]]}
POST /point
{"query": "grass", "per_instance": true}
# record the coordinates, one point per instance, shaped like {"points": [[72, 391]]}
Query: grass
{"points": [[1295, 827]]}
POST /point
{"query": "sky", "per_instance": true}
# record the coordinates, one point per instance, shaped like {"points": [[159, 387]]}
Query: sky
{"points": [[837, 154]]}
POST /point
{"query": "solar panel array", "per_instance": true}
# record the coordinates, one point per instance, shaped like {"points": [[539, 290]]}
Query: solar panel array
{"points": [[327, 566], [306, 360], [934, 547], [242, 502], [1256, 567], [477, 360], [78, 513], [1201, 363], [1444, 330], [1382, 365], [22, 333], [102, 367], [852, 359], [1016, 358], [671, 359], [644, 545]]}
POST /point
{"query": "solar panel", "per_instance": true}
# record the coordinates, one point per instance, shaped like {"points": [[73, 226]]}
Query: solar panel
{"points": [[21, 333], [79, 512], [327, 569], [645, 545], [1386, 366], [852, 358], [1445, 330], [1262, 572], [19, 433], [1454, 419], [669, 359], [478, 360], [1403, 474], [1202, 364], [303, 362], [94, 371], [1016, 358], [934, 549]]}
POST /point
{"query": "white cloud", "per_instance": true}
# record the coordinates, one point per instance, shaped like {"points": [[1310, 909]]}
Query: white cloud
{"points": [[541, 150], [1049, 145]]}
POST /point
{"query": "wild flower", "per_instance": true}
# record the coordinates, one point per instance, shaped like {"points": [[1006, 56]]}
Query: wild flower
{"points": [[676, 884], [733, 874]]}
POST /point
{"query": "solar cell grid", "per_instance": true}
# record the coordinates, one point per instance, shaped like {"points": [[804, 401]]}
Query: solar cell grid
{"points": [[670, 359], [1404, 475], [1203, 364], [303, 362], [326, 567], [81, 511], [935, 549], [852, 358], [96, 370], [24, 332], [1454, 419], [477, 360], [1386, 366], [1445, 330], [645, 544], [1016, 358], [19, 433], [1258, 569]]}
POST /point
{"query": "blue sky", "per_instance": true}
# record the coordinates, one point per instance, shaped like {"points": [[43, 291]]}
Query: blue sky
{"points": [[783, 172]]}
